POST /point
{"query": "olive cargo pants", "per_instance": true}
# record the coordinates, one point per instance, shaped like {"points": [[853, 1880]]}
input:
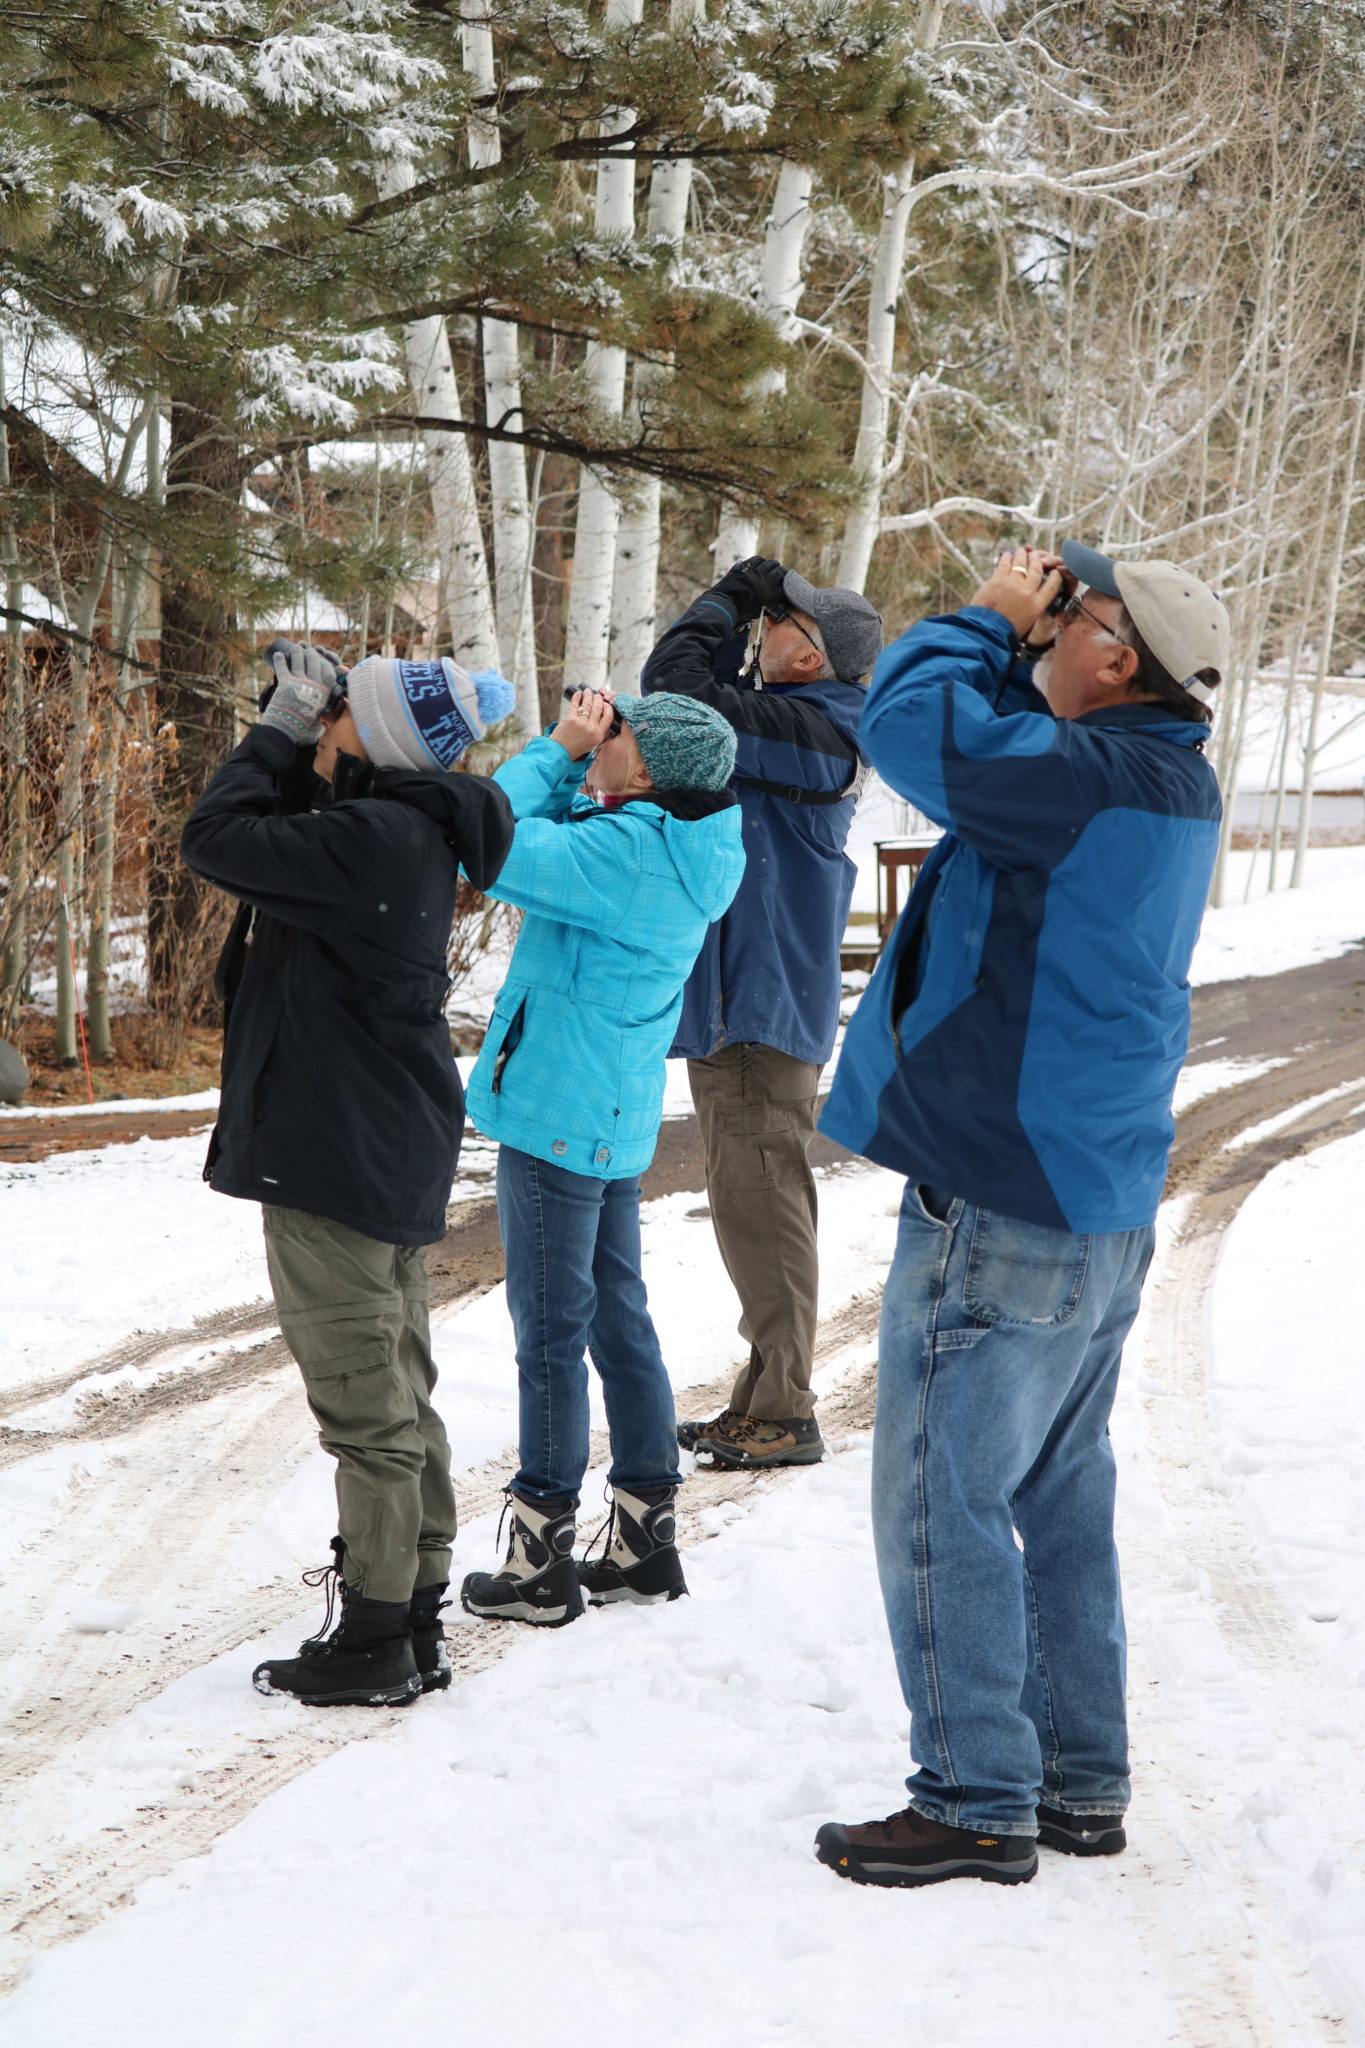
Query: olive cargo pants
{"points": [[757, 1109], [353, 1312]]}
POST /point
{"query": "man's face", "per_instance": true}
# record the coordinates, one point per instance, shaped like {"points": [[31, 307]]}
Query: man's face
{"points": [[787, 652], [1087, 666], [339, 736]]}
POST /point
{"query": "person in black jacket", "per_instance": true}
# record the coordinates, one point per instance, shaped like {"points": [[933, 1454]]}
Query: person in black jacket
{"points": [[761, 1009], [342, 1110]]}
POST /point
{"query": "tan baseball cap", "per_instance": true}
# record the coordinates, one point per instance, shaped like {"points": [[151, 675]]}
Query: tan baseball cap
{"points": [[1183, 622]]}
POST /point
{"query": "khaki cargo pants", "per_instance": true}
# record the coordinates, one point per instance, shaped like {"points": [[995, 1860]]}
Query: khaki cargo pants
{"points": [[354, 1314], [757, 1108]]}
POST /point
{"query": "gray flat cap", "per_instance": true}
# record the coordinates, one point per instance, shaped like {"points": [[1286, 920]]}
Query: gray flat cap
{"points": [[850, 627]]}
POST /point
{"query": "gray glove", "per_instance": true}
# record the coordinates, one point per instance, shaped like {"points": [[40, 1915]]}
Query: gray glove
{"points": [[307, 681]]}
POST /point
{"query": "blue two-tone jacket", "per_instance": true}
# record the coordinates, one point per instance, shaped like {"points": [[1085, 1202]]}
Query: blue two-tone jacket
{"points": [[1019, 1042], [768, 972]]}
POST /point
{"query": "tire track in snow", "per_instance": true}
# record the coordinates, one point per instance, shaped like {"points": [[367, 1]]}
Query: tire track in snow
{"points": [[71, 1888]]}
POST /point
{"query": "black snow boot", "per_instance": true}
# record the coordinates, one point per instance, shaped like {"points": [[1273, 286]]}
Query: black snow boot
{"points": [[537, 1581], [640, 1561], [1081, 1834], [429, 1638], [366, 1661]]}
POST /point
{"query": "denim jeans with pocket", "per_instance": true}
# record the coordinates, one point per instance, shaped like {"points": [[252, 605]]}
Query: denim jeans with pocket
{"points": [[574, 1285], [993, 1509]]}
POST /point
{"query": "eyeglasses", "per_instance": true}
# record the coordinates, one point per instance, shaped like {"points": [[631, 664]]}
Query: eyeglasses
{"points": [[776, 614], [1073, 609]]}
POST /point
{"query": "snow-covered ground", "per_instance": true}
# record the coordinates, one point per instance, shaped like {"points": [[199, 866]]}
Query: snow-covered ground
{"points": [[607, 1834]]}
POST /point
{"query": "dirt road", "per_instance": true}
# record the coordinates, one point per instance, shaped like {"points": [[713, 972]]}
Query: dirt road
{"points": [[181, 1467]]}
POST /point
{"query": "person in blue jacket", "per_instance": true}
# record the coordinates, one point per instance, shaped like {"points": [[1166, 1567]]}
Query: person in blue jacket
{"points": [[620, 880], [1014, 1057], [761, 1008]]}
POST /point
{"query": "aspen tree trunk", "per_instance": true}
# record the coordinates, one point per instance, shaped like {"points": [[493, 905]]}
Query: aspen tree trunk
{"points": [[587, 635], [18, 844], [513, 519], [70, 796], [129, 597], [784, 242], [466, 593], [888, 268], [1332, 597], [635, 593]]}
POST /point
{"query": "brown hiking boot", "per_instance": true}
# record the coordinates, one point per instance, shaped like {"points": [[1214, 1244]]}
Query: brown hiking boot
{"points": [[751, 1442], [691, 1434], [909, 1849]]}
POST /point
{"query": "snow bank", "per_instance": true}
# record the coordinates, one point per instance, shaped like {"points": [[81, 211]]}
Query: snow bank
{"points": [[1292, 928], [1288, 1388]]}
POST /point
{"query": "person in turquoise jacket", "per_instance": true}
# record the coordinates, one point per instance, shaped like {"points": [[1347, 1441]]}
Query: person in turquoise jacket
{"points": [[620, 877]]}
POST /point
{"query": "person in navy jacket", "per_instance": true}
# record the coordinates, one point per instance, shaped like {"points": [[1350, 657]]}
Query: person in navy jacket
{"points": [[1015, 1056], [761, 1007]]}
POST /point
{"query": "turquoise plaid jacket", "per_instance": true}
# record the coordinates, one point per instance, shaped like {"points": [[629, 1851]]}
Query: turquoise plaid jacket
{"points": [[617, 905]]}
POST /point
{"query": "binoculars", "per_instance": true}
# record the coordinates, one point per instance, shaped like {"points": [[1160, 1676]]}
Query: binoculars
{"points": [[615, 725], [337, 695]]}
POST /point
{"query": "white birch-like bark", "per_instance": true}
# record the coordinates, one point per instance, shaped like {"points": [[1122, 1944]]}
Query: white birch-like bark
{"points": [[635, 592], [14, 922], [513, 524], [466, 592], [588, 629], [781, 285], [1332, 597], [874, 417]]}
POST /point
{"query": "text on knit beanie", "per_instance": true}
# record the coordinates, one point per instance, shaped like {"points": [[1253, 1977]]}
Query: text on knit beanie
{"points": [[423, 714]]}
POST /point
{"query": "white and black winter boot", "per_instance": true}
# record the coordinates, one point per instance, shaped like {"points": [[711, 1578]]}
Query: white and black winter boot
{"points": [[641, 1561], [537, 1581], [429, 1638], [366, 1661]]}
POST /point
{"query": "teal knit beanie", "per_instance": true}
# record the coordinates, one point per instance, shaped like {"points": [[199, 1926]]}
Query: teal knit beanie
{"points": [[684, 744]]}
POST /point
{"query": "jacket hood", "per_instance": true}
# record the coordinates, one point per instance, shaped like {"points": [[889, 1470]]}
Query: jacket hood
{"points": [[1155, 718], [842, 703], [708, 853], [704, 839], [471, 813]]}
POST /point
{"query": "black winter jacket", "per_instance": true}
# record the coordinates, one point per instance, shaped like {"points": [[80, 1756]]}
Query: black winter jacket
{"points": [[340, 1093]]}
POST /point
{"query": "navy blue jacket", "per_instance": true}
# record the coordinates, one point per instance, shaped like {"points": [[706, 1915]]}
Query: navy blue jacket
{"points": [[1020, 1040], [768, 973]]}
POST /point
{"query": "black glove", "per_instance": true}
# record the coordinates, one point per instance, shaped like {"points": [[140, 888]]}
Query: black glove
{"points": [[754, 586]]}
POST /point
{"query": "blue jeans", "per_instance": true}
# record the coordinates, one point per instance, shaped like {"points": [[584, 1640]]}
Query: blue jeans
{"points": [[993, 1509], [574, 1285]]}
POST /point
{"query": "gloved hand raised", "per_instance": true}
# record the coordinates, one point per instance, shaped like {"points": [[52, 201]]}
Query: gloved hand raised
{"points": [[306, 684], [754, 586]]}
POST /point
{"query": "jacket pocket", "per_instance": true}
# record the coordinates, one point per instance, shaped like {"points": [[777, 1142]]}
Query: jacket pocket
{"points": [[1023, 1275], [247, 1065], [511, 1039]]}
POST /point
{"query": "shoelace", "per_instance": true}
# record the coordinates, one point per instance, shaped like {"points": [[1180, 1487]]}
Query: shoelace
{"points": [[751, 1428], [605, 1529], [328, 1575]]}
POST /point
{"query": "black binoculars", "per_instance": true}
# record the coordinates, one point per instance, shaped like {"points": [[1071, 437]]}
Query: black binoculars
{"points": [[615, 725]]}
